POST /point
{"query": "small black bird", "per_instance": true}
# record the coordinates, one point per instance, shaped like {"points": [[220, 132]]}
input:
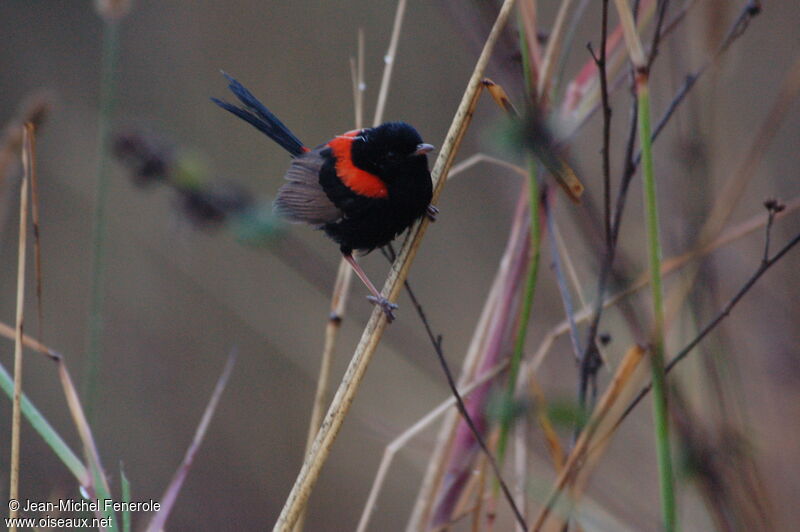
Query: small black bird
{"points": [[363, 188]]}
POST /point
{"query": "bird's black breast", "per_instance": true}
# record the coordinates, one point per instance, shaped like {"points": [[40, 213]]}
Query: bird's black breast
{"points": [[367, 222]]}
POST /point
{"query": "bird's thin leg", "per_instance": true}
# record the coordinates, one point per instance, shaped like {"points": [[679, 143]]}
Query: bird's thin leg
{"points": [[376, 297]]}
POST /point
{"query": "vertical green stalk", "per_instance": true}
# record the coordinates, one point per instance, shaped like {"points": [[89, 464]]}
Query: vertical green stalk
{"points": [[533, 270], [660, 416], [99, 229], [527, 305]]}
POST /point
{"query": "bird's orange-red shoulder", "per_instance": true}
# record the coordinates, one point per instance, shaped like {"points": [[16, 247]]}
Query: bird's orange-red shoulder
{"points": [[358, 180]]}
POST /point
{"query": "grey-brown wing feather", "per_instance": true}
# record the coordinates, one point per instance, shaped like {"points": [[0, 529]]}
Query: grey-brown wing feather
{"points": [[301, 198]]}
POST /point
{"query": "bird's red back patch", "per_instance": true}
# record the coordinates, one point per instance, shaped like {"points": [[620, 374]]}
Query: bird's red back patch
{"points": [[358, 180]]}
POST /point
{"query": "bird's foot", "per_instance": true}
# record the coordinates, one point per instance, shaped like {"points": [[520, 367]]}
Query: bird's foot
{"points": [[431, 212], [386, 306]]}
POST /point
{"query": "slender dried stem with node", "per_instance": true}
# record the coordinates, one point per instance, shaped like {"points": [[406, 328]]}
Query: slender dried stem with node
{"points": [[28, 157]]}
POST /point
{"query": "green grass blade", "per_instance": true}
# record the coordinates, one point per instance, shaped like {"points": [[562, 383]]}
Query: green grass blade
{"points": [[126, 498]]}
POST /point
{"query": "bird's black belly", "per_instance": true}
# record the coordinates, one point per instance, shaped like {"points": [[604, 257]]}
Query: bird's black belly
{"points": [[374, 226]]}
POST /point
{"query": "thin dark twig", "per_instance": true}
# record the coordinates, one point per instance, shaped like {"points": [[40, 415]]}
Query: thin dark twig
{"points": [[591, 361], [766, 263], [601, 66], [662, 11], [436, 341], [35, 219], [748, 13]]}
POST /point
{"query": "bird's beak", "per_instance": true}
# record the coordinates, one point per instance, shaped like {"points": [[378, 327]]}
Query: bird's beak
{"points": [[422, 149]]}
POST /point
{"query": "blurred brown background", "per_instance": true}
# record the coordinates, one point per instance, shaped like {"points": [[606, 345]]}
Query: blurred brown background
{"points": [[179, 299]]}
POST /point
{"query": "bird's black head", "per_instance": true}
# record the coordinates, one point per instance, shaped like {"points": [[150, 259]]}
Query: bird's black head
{"points": [[391, 151]]}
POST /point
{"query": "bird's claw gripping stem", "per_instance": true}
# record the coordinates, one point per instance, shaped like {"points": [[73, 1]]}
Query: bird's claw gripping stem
{"points": [[386, 306], [431, 212]]}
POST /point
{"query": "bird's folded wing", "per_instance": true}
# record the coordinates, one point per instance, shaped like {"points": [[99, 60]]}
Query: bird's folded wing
{"points": [[301, 198]]}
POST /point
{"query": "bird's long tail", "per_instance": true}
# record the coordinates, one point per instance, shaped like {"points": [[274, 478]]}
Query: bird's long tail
{"points": [[257, 115]]}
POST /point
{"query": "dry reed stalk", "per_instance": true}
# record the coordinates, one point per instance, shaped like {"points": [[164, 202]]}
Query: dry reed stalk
{"points": [[669, 266], [371, 336], [592, 440], [28, 162], [97, 486], [34, 109], [338, 304], [10, 333]]}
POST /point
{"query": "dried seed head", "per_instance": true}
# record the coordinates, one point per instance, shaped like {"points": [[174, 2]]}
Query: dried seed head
{"points": [[212, 204], [774, 206], [147, 158]]}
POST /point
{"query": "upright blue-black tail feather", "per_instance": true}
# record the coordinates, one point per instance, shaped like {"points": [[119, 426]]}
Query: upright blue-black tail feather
{"points": [[257, 115]]}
